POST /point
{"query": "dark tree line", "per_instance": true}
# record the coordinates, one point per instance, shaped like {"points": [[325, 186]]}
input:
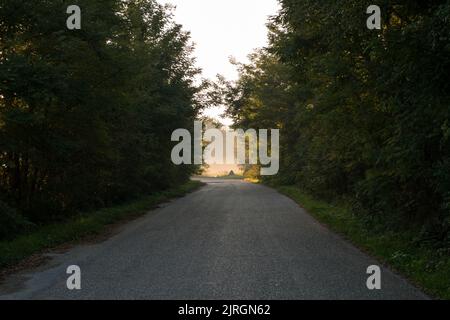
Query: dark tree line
{"points": [[364, 114], [86, 115]]}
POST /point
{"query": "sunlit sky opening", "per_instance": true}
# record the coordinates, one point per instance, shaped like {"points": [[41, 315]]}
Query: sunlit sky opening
{"points": [[222, 29]]}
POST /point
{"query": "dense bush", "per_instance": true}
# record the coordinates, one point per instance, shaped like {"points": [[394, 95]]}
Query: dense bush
{"points": [[86, 115], [364, 114], [11, 223]]}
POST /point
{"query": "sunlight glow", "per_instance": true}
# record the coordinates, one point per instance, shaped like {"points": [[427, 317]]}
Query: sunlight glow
{"points": [[216, 39]]}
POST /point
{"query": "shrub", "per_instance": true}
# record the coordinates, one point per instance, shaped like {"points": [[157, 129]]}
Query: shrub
{"points": [[11, 223]]}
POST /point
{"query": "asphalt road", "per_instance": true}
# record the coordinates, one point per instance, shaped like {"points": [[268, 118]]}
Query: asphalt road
{"points": [[229, 240]]}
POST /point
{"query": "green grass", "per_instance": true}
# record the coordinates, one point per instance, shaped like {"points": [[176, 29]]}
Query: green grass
{"points": [[83, 225], [427, 267]]}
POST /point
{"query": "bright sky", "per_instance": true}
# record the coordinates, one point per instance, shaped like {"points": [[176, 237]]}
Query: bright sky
{"points": [[222, 29]]}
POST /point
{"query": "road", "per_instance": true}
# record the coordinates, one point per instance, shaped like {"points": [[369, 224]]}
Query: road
{"points": [[228, 240]]}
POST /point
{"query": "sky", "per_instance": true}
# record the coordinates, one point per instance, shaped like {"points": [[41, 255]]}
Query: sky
{"points": [[222, 29]]}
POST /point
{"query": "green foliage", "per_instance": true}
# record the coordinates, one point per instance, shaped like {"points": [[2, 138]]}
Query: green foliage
{"points": [[363, 114], [86, 115], [11, 223]]}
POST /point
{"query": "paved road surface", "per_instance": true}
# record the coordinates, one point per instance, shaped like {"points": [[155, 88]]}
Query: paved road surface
{"points": [[229, 240]]}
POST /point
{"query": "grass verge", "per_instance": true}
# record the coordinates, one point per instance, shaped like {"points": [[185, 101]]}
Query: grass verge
{"points": [[83, 225], [427, 267]]}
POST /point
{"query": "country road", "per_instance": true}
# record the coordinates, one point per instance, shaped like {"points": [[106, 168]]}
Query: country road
{"points": [[228, 240]]}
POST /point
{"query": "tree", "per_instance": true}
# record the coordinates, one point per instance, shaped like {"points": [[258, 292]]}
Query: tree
{"points": [[86, 115], [363, 113]]}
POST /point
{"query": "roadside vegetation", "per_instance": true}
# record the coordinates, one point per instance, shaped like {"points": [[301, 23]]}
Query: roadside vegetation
{"points": [[86, 116], [84, 225]]}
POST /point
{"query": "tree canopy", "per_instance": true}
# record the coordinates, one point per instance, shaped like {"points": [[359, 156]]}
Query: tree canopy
{"points": [[364, 114], [86, 115]]}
